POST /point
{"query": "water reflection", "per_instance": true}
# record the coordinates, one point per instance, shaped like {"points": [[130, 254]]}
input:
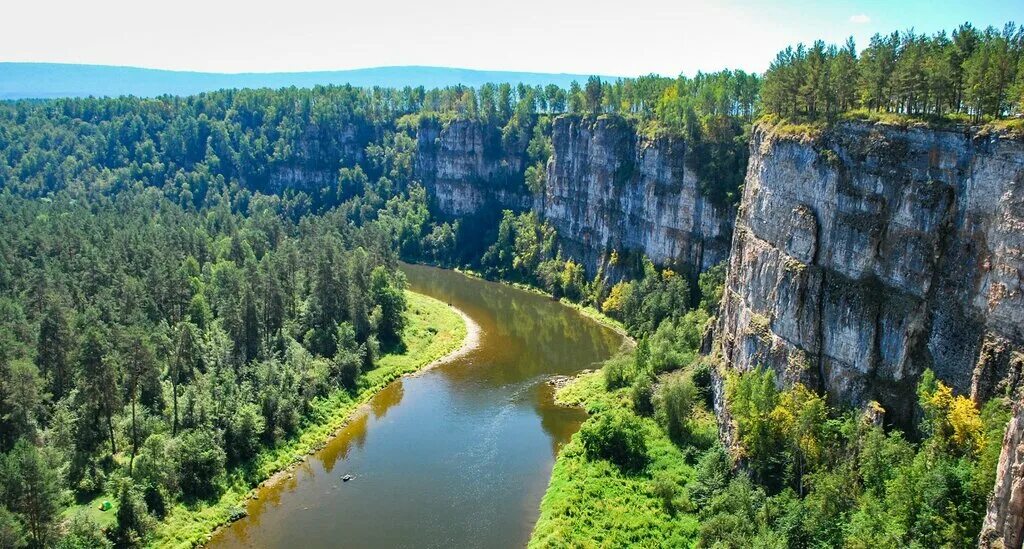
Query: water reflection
{"points": [[459, 456]]}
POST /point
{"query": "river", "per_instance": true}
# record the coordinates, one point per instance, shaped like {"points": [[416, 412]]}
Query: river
{"points": [[459, 456]]}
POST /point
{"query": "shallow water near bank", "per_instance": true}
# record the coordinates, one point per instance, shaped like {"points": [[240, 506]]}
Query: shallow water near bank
{"points": [[459, 456]]}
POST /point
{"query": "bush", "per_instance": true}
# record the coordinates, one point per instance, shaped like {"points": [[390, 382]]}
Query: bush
{"points": [[678, 398], [348, 365], [11, 531], [666, 489], [81, 532], [618, 371], [712, 475], [244, 429], [676, 344], [617, 437], [200, 459], [641, 393]]}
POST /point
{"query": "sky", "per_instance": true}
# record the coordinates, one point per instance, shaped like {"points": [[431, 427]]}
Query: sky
{"points": [[610, 37]]}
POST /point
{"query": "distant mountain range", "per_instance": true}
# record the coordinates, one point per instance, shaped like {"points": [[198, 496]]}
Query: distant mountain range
{"points": [[47, 80]]}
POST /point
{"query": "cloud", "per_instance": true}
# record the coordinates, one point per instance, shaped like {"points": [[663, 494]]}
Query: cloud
{"points": [[860, 19]]}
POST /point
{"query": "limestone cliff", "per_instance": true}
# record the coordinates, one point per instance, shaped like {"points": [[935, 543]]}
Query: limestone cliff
{"points": [[466, 168], [1004, 522], [315, 156], [609, 188], [868, 253]]}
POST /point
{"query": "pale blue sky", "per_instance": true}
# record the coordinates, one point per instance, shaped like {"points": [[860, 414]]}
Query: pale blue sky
{"points": [[619, 37]]}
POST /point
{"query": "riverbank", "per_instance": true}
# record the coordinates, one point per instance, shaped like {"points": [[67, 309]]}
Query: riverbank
{"points": [[593, 502], [586, 310], [435, 334]]}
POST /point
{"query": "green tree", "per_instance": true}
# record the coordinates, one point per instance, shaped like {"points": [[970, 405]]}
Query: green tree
{"points": [[593, 95], [31, 485], [99, 381], [200, 460], [54, 348], [133, 521], [387, 291]]}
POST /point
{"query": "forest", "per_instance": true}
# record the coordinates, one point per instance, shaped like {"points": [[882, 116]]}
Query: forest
{"points": [[968, 75], [178, 300]]}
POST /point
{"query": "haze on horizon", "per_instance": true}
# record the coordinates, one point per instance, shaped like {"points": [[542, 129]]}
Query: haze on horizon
{"points": [[576, 36]]}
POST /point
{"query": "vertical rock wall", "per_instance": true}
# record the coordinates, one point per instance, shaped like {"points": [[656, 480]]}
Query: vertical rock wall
{"points": [[1004, 522], [869, 253], [466, 169], [609, 188]]}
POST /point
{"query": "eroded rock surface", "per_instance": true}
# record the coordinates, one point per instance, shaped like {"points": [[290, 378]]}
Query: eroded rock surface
{"points": [[1004, 522], [869, 253], [609, 188]]}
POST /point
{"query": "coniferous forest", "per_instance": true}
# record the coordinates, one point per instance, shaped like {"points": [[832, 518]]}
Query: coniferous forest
{"points": [[174, 308]]}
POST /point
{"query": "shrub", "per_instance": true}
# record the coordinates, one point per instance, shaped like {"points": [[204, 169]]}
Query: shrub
{"points": [[348, 365], [641, 393], [666, 489], [712, 475], [200, 459], [617, 437], [617, 371], [244, 429], [676, 344], [678, 398]]}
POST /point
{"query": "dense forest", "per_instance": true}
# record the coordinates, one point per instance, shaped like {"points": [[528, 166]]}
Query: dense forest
{"points": [[175, 301], [970, 73]]}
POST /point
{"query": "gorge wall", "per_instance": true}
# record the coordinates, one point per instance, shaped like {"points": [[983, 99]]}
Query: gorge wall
{"points": [[1004, 522], [608, 188], [466, 168], [866, 254]]}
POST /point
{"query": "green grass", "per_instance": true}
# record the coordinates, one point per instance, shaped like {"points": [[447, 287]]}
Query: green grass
{"points": [[433, 331], [800, 130], [810, 130], [591, 503], [92, 510]]}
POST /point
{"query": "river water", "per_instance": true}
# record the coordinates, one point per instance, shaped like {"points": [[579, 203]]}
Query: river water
{"points": [[459, 456]]}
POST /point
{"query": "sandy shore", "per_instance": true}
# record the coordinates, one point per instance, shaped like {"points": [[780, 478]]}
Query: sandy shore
{"points": [[470, 342]]}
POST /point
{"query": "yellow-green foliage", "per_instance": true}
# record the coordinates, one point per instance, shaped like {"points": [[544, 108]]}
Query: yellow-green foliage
{"points": [[760, 326], [783, 127], [617, 297], [951, 419], [432, 331]]}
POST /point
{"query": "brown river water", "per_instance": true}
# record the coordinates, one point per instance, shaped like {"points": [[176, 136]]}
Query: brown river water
{"points": [[459, 456]]}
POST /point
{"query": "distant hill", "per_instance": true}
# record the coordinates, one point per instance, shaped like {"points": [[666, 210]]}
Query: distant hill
{"points": [[46, 80]]}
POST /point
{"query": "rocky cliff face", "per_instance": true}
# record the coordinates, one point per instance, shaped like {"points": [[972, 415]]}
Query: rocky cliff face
{"points": [[611, 189], [466, 169], [316, 157], [607, 188], [1004, 522], [869, 253]]}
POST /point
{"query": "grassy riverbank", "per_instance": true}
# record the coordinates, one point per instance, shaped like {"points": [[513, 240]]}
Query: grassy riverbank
{"points": [[593, 503], [433, 331]]}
